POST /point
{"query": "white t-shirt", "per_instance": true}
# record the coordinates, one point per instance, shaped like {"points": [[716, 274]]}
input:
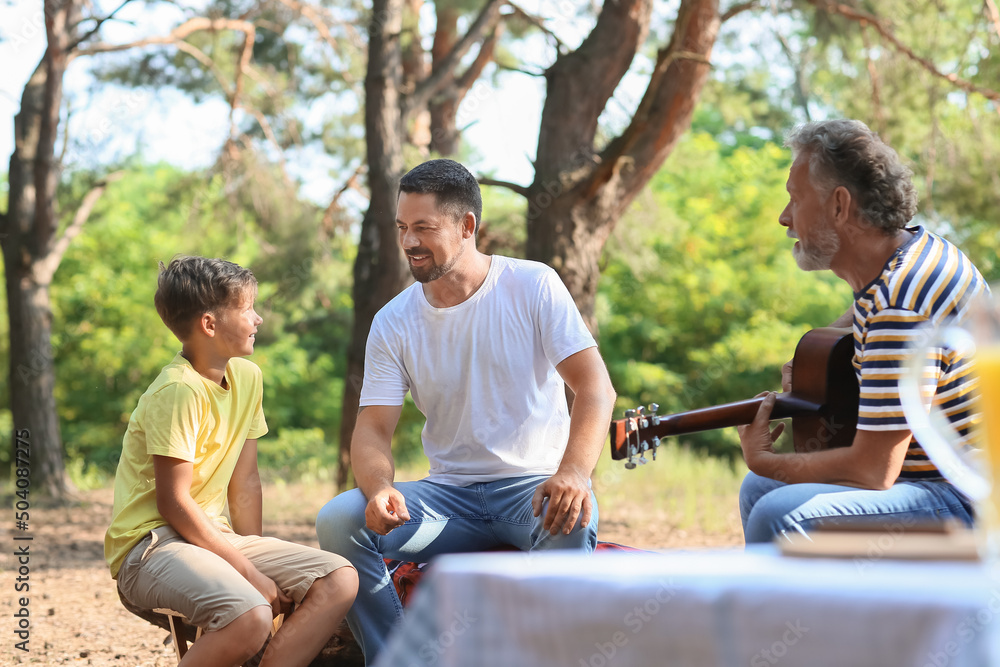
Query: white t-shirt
{"points": [[482, 372]]}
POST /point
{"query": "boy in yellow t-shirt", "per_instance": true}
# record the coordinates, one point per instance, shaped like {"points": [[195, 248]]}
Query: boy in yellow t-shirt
{"points": [[191, 445]]}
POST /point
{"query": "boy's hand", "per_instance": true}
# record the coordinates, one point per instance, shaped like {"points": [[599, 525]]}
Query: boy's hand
{"points": [[386, 510], [280, 603]]}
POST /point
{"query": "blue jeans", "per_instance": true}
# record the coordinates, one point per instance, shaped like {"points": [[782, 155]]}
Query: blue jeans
{"points": [[443, 519], [770, 508]]}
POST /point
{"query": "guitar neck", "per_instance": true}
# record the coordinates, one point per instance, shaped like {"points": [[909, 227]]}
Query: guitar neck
{"points": [[730, 414], [705, 419]]}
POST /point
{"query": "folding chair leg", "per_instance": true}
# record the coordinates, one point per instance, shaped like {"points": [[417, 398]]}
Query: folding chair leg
{"points": [[178, 634]]}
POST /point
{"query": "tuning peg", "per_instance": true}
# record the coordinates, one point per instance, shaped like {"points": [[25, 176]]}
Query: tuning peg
{"points": [[630, 414], [643, 448], [656, 445], [653, 407], [632, 451], [641, 411]]}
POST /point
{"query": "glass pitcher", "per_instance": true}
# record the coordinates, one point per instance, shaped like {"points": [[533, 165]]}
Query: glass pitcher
{"points": [[970, 462]]}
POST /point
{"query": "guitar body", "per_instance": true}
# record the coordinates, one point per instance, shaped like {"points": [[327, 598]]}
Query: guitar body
{"points": [[823, 403], [823, 373]]}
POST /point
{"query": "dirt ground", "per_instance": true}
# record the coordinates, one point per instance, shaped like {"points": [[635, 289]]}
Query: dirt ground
{"points": [[77, 619]]}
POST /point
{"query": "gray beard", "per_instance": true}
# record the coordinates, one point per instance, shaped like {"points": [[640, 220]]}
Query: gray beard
{"points": [[819, 255]]}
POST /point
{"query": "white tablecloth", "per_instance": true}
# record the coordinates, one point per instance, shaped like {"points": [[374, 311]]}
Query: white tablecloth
{"points": [[697, 608]]}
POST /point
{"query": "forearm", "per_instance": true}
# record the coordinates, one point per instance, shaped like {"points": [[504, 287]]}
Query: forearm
{"points": [[371, 449], [825, 467], [844, 466], [373, 470], [190, 521], [588, 430], [246, 506]]}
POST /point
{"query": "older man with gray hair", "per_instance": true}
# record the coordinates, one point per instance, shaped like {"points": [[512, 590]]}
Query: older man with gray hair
{"points": [[850, 201]]}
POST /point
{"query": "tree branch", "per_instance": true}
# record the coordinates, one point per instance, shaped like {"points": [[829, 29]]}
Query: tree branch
{"points": [[321, 20], [876, 85], [445, 73], [242, 65], [540, 24], [665, 111], [800, 88], [179, 33], [739, 9], [991, 9], [265, 125], [864, 18], [65, 135], [45, 268], [207, 62], [485, 55], [510, 68], [352, 183], [514, 187], [100, 22], [579, 85]]}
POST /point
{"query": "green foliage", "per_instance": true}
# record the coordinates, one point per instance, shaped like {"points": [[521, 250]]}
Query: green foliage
{"points": [[87, 476], [296, 453], [700, 300], [109, 343], [950, 137]]}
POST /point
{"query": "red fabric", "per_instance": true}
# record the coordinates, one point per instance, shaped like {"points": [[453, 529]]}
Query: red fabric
{"points": [[406, 575]]}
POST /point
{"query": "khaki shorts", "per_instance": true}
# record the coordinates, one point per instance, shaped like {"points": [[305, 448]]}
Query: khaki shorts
{"points": [[165, 571]]}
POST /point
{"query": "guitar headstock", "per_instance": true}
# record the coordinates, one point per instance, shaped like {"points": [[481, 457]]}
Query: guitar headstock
{"points": [[629, 439]]}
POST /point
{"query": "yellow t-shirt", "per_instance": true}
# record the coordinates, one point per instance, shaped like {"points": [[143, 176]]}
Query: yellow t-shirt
{"points": [[185, 416]]}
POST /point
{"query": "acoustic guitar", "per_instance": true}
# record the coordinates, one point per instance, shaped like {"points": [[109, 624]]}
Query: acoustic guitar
{"points": [[823, 404]]}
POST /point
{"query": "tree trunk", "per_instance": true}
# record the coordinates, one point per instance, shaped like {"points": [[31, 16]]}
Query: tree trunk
{"points": [[28, 236], [415, 69], [380, 269], [444, 130], [578, 194], [444, 108]]}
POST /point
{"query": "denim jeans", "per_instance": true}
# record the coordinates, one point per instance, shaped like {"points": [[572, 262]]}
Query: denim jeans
{"points": [[770, 508], [443, 519]]}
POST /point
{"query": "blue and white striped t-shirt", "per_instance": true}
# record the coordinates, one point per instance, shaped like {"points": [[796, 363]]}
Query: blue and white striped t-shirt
{"points": [[927, 279]]}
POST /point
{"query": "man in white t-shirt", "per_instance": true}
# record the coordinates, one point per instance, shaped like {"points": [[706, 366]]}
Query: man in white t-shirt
{"points": [[485, 345]]}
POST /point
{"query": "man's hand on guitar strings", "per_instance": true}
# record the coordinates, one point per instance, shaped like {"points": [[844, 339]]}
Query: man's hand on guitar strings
{"points": [[757, 438]]}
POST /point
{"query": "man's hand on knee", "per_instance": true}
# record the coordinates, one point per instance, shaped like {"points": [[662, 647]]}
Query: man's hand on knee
{"points": [[568, 493], [386, 510]]}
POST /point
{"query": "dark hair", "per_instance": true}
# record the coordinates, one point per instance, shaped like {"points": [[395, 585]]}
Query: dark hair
{"points": [[192, 286], [456, 190], [846, 152]]}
